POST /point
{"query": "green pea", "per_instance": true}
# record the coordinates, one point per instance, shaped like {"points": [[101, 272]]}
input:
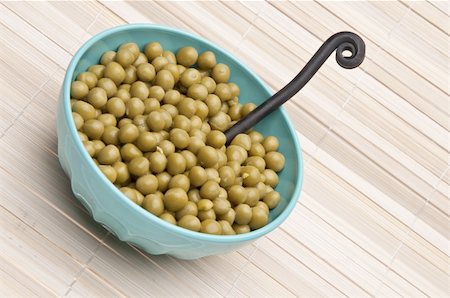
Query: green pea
{"points": [[180, 181], [163, 181], [210, 226], [274, 161], [189, 209], [207, 156], [93, 129], [226, 228], [139, 166], [110, 135], [79, 90], [272, 199], [153, 50], [123, 175], [187, 56], [220, 73], [175, 199], [190, 222], [237, 194], [108, 155], [176, 164], [147, 184], [158, 162], [209, 190], [153, 204]]}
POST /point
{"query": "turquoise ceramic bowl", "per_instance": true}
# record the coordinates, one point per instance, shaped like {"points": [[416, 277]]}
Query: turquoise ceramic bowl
{"points": [[117, 213]]}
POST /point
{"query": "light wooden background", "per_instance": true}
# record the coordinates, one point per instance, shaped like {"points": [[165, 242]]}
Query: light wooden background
{"points": [[373, 218]]}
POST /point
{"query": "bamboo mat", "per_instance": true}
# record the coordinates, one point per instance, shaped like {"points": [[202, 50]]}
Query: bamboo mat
{"points": [[373, 218]]}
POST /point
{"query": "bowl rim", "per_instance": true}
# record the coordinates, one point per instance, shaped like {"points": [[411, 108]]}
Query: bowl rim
{"points": [[147, 215]]}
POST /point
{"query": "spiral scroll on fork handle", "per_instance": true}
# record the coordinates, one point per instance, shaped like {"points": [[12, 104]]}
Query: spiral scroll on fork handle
{"points": [[342, 41]]}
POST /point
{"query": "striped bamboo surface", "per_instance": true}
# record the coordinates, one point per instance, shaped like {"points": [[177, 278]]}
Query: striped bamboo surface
{"points": [[373, 218]]}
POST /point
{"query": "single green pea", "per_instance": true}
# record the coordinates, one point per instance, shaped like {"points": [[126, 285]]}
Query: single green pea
{"points": [[139, 166], [109, 172], [150, 105], [93, 129], [190, 222], [165, 79], [223, 91], [243, 214], [166, 147], [141, 59], [210, 226], [194, 195], [98, 70], [256, 137], [170, 56], [221, 207], [115, 72], [168, 217], [241, 229], [197, 92], [270, 143], [108, 85], [253, 196], [176, 164], [229, 216], [220, 73], [272, 199], [153, 204], [191, 159], [110, 135], [125, 57], [156, 92], [180, 181], [206, 60], [123, 175], [163, 181], [187, 107], [153, 50], [175, 199], [107, 57], [108, 155], [247, 108], [271, 177], [189, 209], [235, 112], [155, 121], [130, 194], [207, 156], [257, 162], [189, 77], [209, 190], [180, 138], [79, 90], [227, 176], [158, 162], [257, 150], [220, 121], [242, 140], [226, 228], [130, 74], [237, 194], [187, 56], [201, 109], [209, 83], [259, 219], [132, 47], [89, 78], [147, 184], [274, 161], [89, 146], [128, 133], [78, 120], [216, 139]]}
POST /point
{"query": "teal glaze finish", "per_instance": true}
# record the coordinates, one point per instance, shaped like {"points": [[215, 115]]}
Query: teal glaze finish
{"points": [[118, 214]]}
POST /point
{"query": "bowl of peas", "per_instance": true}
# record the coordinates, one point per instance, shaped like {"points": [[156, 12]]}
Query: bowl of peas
{"points": [[141, 121]]}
